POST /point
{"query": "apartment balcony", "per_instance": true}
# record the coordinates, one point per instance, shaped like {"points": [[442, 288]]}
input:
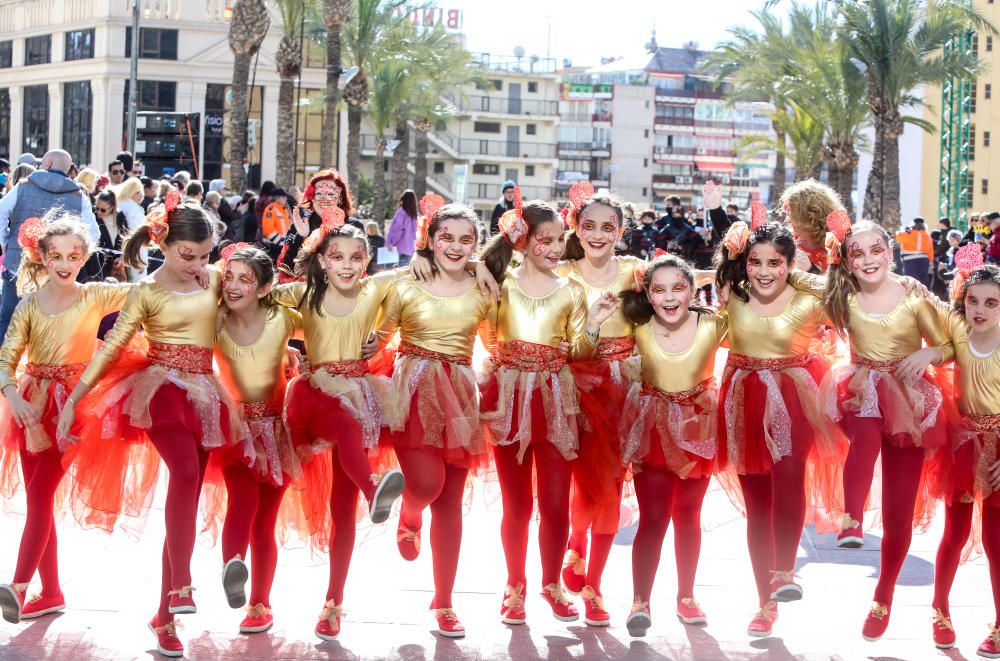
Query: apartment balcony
{"points": [[663, 122], [566, 179], [484, 192], [686, 179], [752, 127], [725, 124], [601, 117], [602, 150], [504, 105], [506, 149], [661, 152], [579, 117]]}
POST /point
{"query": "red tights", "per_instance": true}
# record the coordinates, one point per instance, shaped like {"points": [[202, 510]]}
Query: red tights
{"points": [[600, 543], [553, 507], [664, 497], [866, 443], [42, 474], [776, 512], [251, 515], [957, 525], [432, 481], [186, 461], [343, 507]]}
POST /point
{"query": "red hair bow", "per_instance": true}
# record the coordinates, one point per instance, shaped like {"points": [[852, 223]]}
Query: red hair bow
{"points": [[839, 225], [333, 219], [228, 251], [968, 258], [758, 215], [642, 268], [579, 193], [158, 221], [512, 225], [32, 231], [736, 238], [429, 205]]}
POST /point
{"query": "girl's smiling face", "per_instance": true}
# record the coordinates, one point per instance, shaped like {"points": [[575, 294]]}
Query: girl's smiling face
{"points": [[240, 286], [597, 229], [868, 257], [186, 259], [453, 244], [63, 258], [982, 306], [546, 245], [344, 261], [767, 270], [670, 294]]}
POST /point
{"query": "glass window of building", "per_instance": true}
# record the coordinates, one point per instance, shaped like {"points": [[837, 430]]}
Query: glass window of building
{"points": [[154, 43], [35, 119], [77, 122], [38, 50], [6, 54], [79, 45], [5, 121]]}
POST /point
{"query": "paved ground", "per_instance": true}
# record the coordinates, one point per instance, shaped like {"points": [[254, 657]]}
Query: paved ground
{"points": [[111, 584]]}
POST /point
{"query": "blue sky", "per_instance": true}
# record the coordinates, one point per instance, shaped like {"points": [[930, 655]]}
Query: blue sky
{"points": [[585, 30]]}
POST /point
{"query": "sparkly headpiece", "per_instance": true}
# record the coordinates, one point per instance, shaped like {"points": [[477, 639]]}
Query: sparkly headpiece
{"points": [[642, 268], [839, 225], [579, 193], [158, 221], [32, 231], [228, 251], [512, 224], [429, 205], [333, 219], [968, 258]]}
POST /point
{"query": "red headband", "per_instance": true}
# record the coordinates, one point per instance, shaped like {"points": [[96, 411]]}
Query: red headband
{"points": [[429, 205], [839, 225], [642, 268], [158, 221], [512, 224], [32, 231], [333, 219], [228, 251], [579, 194], [968, 258]]}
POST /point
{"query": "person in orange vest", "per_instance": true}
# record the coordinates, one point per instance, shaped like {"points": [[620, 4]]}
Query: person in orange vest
{"points": [[916, 251], [276, 221]]}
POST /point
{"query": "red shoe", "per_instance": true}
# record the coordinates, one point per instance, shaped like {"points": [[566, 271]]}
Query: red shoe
{"points": [[689, 612], [562, 609], [784, 588], [944, 633], [990, 649], [181, 601], [258, 619], [512, 609], [328, 627], [763, 622], [167, 642], [40, 605], [595, 614], [448, 623], [12, 601], [851, 535], [639, 620], [877, 622], [574, 573], [407, 541], [234, 580]]}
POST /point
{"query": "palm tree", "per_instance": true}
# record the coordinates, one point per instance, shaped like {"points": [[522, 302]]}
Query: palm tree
{"points": [[288, 59], [801, 141], [335, 13], [756, 62], [247, 29], [900, 45], [389, 89]]}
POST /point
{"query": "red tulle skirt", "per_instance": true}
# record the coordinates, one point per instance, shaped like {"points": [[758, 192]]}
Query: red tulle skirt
{"points": [[433, 404], [962, 472]]}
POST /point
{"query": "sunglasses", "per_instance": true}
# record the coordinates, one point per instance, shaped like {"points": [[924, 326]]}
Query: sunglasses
{"points": [[103, 210], [118, 172]]}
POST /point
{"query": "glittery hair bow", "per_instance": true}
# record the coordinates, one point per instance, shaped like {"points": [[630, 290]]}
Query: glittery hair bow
{"points": [[839, 225], [429, 205], [158, 221], [642, 268], [333, 219], [736, 238], [968, 258], [32, 231], [512, 224], [579, 194], [228, 252], [758, 215]]}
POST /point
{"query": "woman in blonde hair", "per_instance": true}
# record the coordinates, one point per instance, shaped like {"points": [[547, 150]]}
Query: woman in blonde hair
{"points": [[88, 180], [806, 205], [129, 195]]}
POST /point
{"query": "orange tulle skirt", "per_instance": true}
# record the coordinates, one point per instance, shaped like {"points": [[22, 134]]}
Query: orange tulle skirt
{"points": [[335, 403], [531, 398], [673, 431], [433, 403], [964, 469]]}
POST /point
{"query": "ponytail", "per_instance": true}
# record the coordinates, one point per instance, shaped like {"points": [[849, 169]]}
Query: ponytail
{"points": [[498, 253], [133, 245], [840, 285], [184, 222]]}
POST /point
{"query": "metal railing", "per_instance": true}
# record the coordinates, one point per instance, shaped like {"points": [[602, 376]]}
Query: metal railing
{"points": [[492, 191], [674, 151], [506, 148], [673, 121], [505, 105], [512, 64]]}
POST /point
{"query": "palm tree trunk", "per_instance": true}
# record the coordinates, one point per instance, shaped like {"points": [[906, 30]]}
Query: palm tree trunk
{"points": [[400, 157], [420, 145], [872, 208], [327, 158], [285, 171], [378, 182], [354, 149], [891, 212], [779, 165], [238, 123]]}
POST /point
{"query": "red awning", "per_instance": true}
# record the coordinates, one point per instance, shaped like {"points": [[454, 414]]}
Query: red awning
{"points": [[715, 166]]}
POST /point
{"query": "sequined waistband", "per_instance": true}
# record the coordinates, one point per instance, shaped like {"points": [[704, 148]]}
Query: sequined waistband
{"points": [[64, 373], [183, 357], [259, 410], [419, 352], [686, 397], [615, 348], [974, 422], [530, 357], [344, 367], [877, 365], [739, 361]]}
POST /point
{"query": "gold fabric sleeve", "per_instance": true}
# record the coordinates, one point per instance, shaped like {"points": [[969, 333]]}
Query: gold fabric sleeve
{"points": [[15, 341], [682, 370], [899, 332], [782, 335], [977, 378]]}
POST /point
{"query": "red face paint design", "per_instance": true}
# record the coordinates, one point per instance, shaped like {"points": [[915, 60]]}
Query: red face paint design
{"points": [[540, 247], [781, 271]]}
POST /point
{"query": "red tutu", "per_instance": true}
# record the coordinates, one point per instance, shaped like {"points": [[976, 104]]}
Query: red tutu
{"points": [[963, 474], [531, 398], [433, 403]]}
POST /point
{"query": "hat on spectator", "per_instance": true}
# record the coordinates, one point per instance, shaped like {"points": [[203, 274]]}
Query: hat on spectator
{"points": [[27, 157], [217, 185], [507, 185]]}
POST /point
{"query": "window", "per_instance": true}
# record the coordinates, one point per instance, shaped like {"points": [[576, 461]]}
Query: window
{"points": [[645, 133], [986, 186], [645, 162], [438, 167], [972, 99], [989, 44], [79, 46], [4, 121], [215, 110], [531, 129], [35, 126], [986, 138], [6, 54], [987, 91], [529, 170], [154, 43], [77, 111], [154, 95], [485, 168], [532, 87], [38, 50], [644, 191], [486, 127], [492, 84]]}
